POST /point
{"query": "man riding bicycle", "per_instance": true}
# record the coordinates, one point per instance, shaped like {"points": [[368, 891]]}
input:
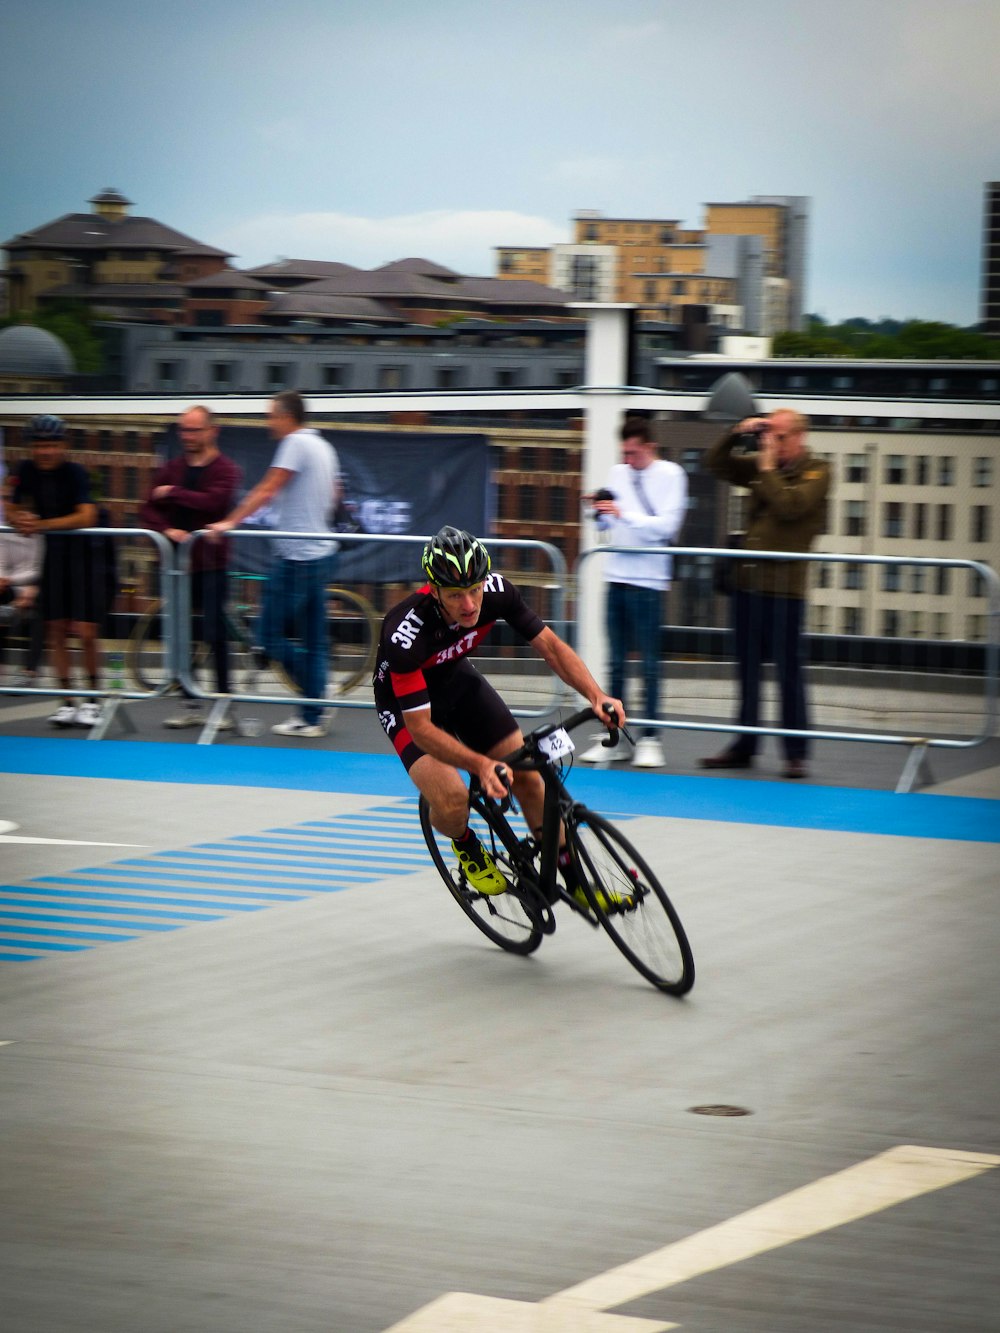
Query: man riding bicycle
{"points": [[438, 711]]}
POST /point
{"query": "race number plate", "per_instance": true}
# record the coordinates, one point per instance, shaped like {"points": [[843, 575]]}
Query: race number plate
{"points": [[556, 745]]}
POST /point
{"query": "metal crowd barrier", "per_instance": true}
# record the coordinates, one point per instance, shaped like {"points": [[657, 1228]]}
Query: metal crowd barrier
{"points": [[115, 690], [151, 643], [924, 696]]}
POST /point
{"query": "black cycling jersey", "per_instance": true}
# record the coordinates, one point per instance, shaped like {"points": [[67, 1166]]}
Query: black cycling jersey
{"points": [[418, 650]]}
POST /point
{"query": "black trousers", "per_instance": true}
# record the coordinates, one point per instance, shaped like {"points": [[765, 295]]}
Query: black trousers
{"points": [[208, 612], [770, 629]]}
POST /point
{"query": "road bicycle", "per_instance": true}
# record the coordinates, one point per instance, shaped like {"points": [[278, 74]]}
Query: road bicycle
{"points": [[622, 892], [351, 618]]}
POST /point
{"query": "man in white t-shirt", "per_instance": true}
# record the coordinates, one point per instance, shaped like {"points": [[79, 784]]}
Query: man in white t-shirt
{"points": [[644, 504], [300, 488]]}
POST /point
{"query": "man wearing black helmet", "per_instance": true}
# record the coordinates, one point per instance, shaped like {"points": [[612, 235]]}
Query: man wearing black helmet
{"points": [[52, 496], [440, 714]]}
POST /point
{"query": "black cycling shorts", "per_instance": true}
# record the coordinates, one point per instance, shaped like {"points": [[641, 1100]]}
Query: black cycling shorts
{"points": [[472, 712]]}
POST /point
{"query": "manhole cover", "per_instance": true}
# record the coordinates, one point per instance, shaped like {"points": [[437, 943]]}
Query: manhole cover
{"points": [[720, 1110]]}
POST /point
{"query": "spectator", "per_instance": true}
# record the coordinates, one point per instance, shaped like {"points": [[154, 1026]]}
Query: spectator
{"points": [[52, 496], [301, 487], [20, 576], [644, 504], [787, 511], [186, 494]]}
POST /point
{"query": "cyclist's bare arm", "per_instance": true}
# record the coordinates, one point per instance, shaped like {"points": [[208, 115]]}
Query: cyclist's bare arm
{"points": [[572, 669], [441, 745]]}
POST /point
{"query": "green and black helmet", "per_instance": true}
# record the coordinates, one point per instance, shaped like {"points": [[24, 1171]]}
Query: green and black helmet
{"points": [[455, 559]]}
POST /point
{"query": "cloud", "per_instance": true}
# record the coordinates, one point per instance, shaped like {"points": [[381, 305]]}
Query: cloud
{"points": [[459, 239]]}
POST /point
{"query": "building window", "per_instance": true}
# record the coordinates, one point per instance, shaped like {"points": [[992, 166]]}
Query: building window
{"points": [[857, 467], [891, 578], [818, 619], [389, 379], [917, 578], [276, 376], [679, 286], [892, 519], [942, 581], [565, 379], [851, 620], [975, 628], [131, 483], [919, 522], [821, 574], [131, 441], [895, 470], [528, 458], [890, 624], [944, 523], [507, 379], [798, 381], [923, 470], [938, 384], [939, 625], [979, 523], [854, 576], [527, 503], [166, 375], [855, 521], [222, 375], [334, 377], [982, 471], [946, 470], [447, 377], [977, 584], [843, 381], [557, 504]]}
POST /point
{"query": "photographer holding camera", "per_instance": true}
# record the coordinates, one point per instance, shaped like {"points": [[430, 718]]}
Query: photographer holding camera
{"points": [[643, 504], [786, 512]]}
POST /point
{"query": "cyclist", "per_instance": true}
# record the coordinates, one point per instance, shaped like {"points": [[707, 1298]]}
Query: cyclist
{"points": [[438, 711]]}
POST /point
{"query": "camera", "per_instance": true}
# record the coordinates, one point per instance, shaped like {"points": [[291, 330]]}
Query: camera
{"points": [[749, 441], [602, 494]]}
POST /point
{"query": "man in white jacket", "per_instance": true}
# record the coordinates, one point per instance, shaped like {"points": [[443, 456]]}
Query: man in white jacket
{"points": [[644, 504]]}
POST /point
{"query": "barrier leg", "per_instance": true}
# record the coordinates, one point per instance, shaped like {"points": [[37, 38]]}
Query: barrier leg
{"points": [[917, 770]]}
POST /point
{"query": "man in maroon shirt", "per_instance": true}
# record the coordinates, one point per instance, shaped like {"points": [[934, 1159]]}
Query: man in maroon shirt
{"points": [[186, 494]]}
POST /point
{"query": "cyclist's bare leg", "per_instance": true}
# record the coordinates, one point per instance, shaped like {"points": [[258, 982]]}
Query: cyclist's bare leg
{"points": [[445, 792], [529, 790]]}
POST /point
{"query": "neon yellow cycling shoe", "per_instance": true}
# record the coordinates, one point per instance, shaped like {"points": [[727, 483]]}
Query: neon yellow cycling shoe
{"points": [[480, 870], [608, 901]]}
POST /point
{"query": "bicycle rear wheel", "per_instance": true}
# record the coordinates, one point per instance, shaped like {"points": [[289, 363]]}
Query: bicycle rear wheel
{"points": [[351, 620], [504, 918], [646, 928], [146, 652]]}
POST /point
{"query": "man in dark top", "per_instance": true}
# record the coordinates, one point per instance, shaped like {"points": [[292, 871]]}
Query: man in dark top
{"points": [[442, 715], [186, 494], [52, 496]]}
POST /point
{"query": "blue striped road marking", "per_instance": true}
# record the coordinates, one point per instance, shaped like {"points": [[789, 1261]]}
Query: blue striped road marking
{"points": [[147, 895]]}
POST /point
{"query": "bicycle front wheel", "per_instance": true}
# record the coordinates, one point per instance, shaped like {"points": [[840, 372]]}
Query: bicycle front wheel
{"points": [[630, 903], [146, 652], [503, 918]]}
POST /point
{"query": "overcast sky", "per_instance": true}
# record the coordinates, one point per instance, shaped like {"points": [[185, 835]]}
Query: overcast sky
{"points": [[371, 130]]}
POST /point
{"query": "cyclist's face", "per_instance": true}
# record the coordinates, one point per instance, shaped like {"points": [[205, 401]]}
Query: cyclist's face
{"points": [[461, 606]]}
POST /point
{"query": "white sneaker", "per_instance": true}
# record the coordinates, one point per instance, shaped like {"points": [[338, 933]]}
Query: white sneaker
{"points": [[648, 753], [192, 716], [88, 714], [296, 726], [602, 754], [65, 714]]}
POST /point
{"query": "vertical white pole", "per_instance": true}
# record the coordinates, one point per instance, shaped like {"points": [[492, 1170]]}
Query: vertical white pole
{"points": [[606, 363]]}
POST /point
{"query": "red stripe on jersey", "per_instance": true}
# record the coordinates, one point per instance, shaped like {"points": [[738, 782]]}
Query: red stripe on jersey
{"points": [[401, 740]]}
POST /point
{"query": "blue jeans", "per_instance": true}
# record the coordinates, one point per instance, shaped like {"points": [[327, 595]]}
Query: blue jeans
{"points": [[293, 629], [633, 620]]}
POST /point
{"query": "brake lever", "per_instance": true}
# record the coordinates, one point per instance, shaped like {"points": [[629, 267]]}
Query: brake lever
{"points": [[611, 740], [507, 801]]}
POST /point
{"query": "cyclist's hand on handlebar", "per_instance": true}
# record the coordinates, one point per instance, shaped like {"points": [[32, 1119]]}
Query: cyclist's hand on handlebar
{"points": [[611, 712], [494, 778]]}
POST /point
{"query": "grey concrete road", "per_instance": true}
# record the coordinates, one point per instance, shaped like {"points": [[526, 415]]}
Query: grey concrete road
{"points": [[332, 1114]]}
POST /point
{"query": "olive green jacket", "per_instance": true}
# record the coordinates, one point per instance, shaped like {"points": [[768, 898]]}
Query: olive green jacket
{"points": [[786, 512]]}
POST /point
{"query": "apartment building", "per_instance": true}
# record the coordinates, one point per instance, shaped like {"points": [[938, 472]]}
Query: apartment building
{"points": [[746, 264], [990, 305]]}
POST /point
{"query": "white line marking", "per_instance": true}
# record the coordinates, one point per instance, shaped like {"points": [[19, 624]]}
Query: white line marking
{"points": [[459, 1312], [67, 842], [7, 826], [869, 1187]]}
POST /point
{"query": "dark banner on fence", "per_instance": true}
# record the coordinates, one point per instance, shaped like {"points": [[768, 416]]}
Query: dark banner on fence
{"points": [[397, 483]]}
